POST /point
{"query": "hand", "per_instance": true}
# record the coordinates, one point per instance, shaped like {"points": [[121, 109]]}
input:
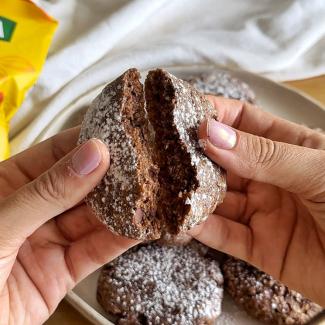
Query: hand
{"points": [[273, 215], [49, 240]]}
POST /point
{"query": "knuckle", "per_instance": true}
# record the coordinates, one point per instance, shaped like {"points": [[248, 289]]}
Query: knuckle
{"points": [[313, 140], [50, 187], [224, 237], [264, 153], [95, 254], [315, 191], [56, 149]]}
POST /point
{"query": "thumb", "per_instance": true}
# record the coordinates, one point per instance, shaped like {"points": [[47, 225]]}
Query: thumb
{"points": [[58, 189], [297, 169]]}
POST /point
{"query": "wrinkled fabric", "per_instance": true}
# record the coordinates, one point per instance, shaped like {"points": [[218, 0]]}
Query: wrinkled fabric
{"points": [[98, 39]]}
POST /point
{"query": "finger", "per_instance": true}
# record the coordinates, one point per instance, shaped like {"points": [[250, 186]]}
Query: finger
{"points": [[77, 222], [23, 167], [249, 118], [236, 183], [69, 226], [297, 169], [233, 206], [91, 252], [225, 235], [55, 191]]}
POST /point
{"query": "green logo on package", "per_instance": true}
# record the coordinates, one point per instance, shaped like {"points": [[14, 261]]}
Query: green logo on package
{"points": [[7, 28]]}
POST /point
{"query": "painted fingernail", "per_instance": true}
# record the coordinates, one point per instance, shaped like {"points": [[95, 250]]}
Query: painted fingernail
{"points": [[87, 158], [220, 135]]}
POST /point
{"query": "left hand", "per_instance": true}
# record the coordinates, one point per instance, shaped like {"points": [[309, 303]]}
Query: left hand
{"points": [[49, 240]]}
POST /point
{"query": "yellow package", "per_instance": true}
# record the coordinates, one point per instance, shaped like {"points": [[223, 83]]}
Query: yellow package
{"points": [[25, 35]]}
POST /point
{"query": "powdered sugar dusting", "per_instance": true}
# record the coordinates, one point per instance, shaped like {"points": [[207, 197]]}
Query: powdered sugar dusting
{"points": [[117, 197], [168, 285], [223, 84]]}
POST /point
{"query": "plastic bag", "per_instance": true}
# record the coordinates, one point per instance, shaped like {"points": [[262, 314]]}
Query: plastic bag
{"points": [[26, 32]]}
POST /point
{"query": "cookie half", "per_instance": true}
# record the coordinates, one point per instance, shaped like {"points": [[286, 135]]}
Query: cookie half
{"points": [[125, 199], [191, 185]]}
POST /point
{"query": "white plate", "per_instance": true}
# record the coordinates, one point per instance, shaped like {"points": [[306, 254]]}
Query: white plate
{"points": [[273, 97]]}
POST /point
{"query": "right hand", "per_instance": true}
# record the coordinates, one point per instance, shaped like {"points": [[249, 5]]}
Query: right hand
{"points": [[273, 215]]}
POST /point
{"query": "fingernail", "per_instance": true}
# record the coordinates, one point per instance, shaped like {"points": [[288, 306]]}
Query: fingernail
{"points": [[87, 158], [221, 135]]}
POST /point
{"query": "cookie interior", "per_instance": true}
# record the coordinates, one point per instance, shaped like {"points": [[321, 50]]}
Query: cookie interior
{"points": [[137, 127], [176, 175]]}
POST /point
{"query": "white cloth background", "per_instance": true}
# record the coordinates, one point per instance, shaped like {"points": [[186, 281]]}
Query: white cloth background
{"points": [[99, 39]]}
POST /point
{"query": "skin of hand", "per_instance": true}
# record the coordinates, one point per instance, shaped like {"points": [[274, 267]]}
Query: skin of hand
{"points": [[273, 215], [49, 240]]}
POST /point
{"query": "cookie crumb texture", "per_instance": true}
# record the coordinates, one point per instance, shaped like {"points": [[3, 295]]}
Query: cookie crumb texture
{"points": [[162, 285], [159, 181], [191, 185], [265, 298]]}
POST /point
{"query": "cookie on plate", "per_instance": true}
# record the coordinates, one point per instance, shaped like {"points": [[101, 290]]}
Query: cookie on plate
{"points": [[222, 83], [265, 298], [155, 284]]}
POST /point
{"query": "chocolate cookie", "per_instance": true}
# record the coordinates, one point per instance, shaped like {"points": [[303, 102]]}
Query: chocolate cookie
{"points": [[265, 298], [125, 199], [221, 83], [191, 185], [159, 181], [162, 285]]}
